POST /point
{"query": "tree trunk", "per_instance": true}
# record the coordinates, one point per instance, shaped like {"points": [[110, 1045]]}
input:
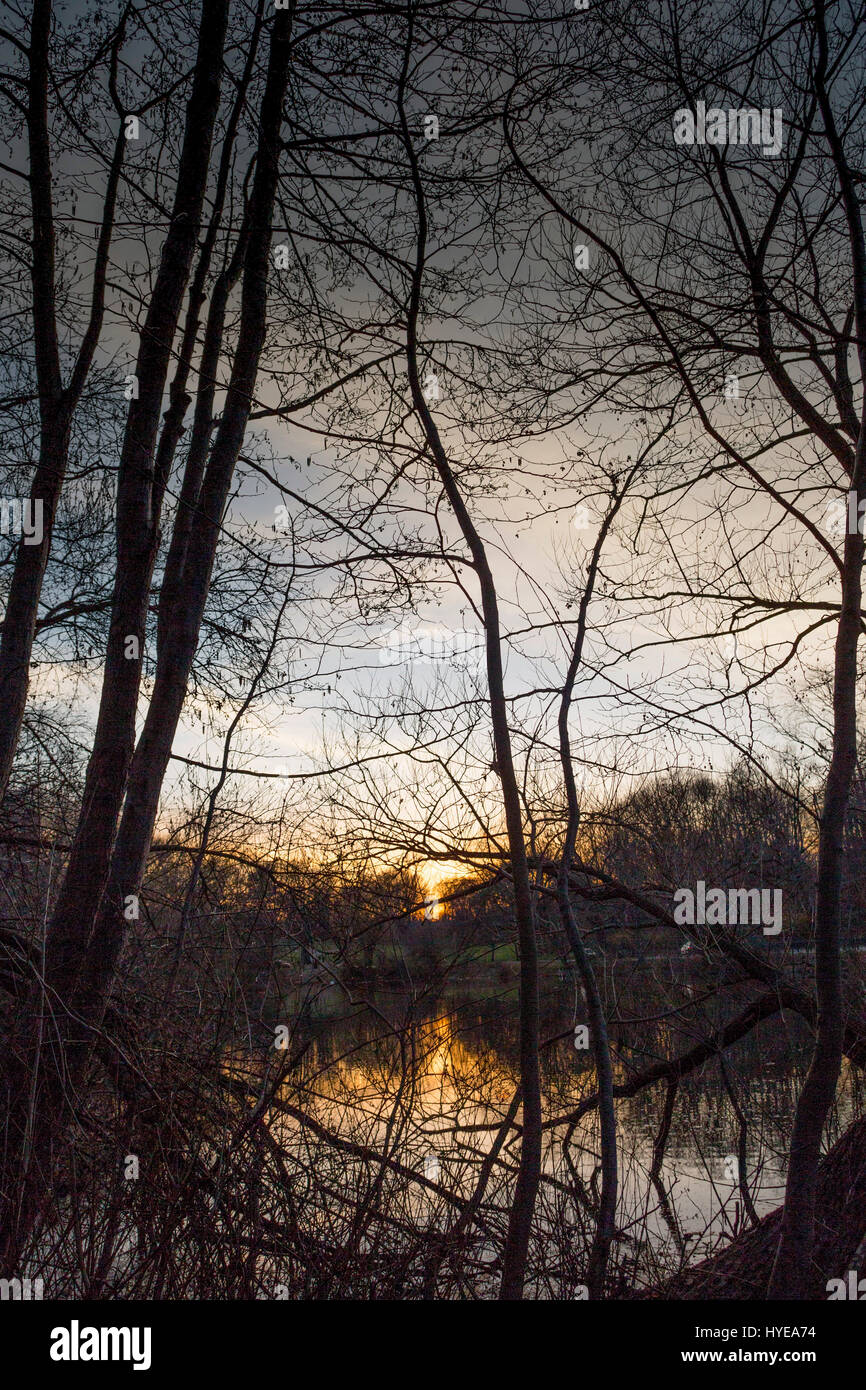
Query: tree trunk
{"points": [[606, 1222], [792, 1264], [742, 1270], [56, 404], [42, 1073], [190, 563], [791, 1268], [529, 1170]]}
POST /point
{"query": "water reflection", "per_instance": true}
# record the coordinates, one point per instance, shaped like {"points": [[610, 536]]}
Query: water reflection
{"points": [[428, 1079]]}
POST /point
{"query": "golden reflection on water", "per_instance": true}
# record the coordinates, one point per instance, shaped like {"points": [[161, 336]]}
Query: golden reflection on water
{"points": [[434, 1092]]}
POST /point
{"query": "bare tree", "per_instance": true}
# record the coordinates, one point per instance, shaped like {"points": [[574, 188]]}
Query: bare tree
{"points": [[765, 328]]}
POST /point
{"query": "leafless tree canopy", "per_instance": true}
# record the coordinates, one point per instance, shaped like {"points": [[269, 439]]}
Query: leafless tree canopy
{"points": [[432, 801]]}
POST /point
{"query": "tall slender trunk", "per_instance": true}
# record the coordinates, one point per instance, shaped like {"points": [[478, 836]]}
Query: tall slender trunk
{"points": [[194, 541], [19, 626], [177, 632], [56, 402], [791, 1265], [152, 752], [42, 1073], [139, 496], [529, 1169], [606, 1221]]}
